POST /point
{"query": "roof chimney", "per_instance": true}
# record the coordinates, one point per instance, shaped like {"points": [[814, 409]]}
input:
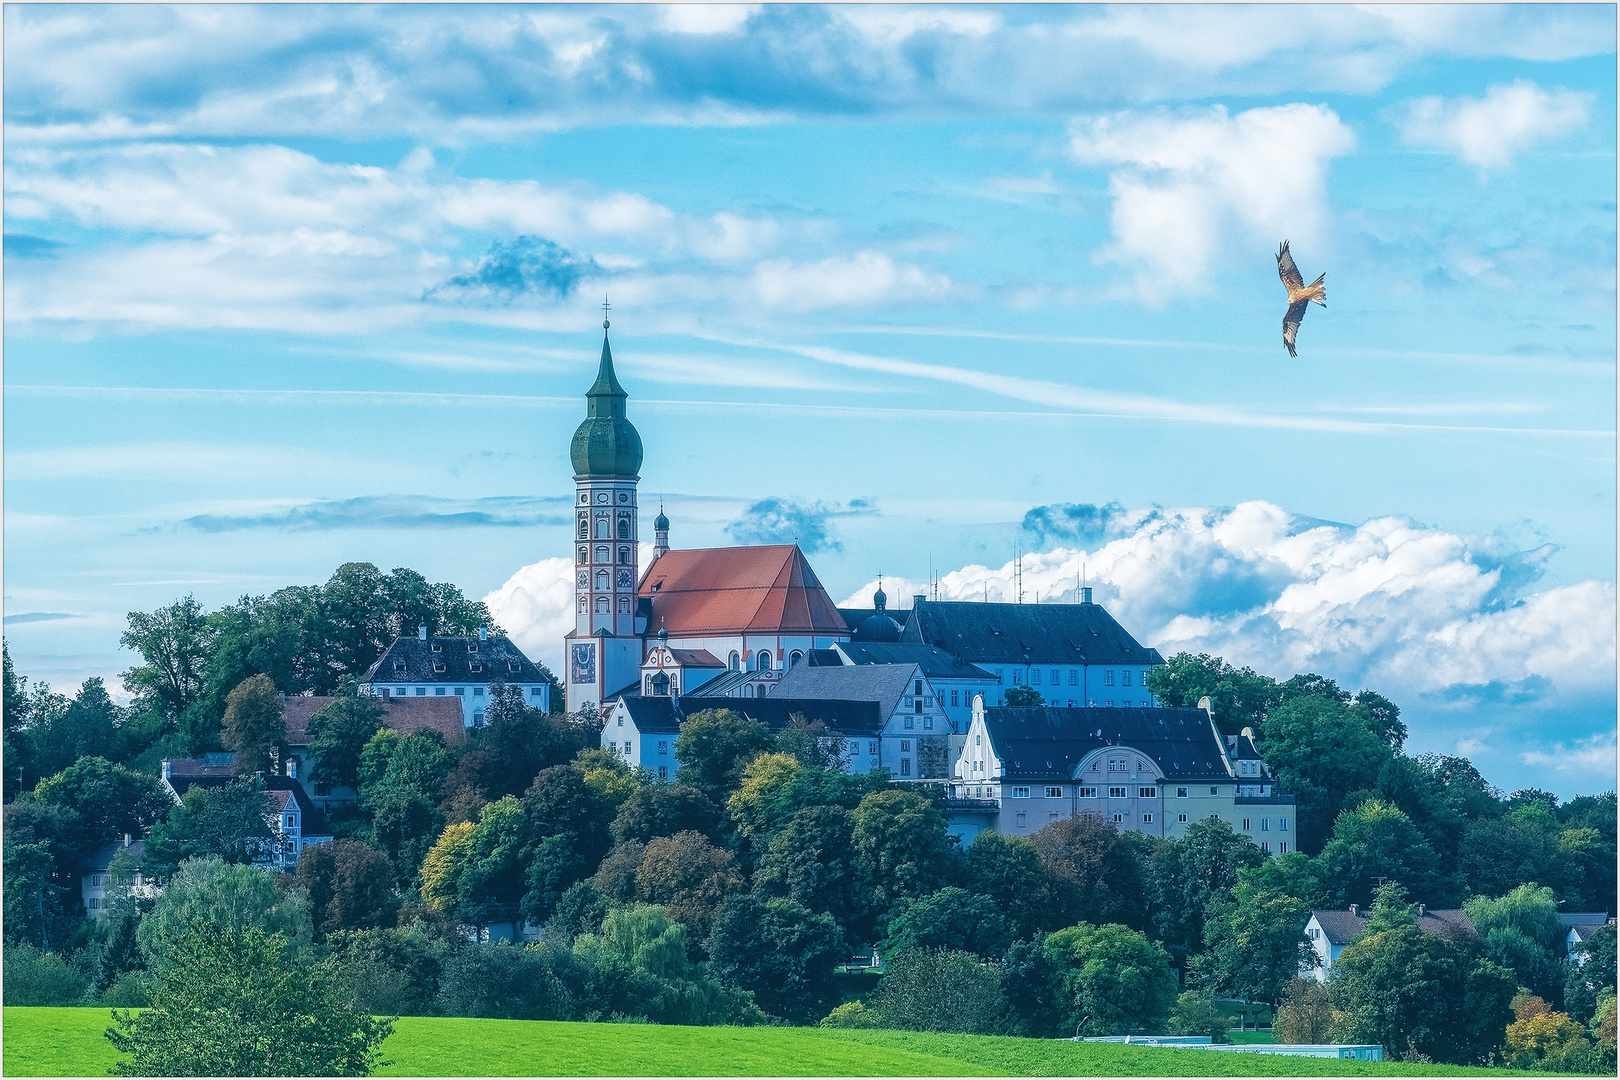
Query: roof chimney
{"points": [[1353, 910], [917, 598], [168, 769], [126, 839], [1085, 594], [483, 633], [1423, 909], [421, 632]]}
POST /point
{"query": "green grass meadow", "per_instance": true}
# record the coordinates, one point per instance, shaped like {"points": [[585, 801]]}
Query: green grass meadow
{"points": [[69, 1042]]}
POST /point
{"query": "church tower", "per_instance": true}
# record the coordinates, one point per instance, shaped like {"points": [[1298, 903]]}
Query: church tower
{"points": [[604, 653]]}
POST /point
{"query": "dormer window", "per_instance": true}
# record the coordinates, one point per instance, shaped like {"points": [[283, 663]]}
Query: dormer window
{"points": [[511, 665], [475, 666], [472, 646], [437, 647], [438, 666], [399, 665]]}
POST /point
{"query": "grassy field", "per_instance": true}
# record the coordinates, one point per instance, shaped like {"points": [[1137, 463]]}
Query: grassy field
{"points": [[69, 1042]]}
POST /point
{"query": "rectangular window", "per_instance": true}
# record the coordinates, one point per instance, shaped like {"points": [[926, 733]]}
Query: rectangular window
{"points": [[663, 748], [1265, 824], [1147, 793], [1181, 793], [94, 903], [1055, 674], [1245, 824], [1109, 703], [1214, 791], [1315, 933], [1087, 792], [421, 691], [461, 691], [1035, 677], [621, 721], [1016, 674], [1020, 792], [909, 721], [917, 706], [1181, 819], [438, 691], [905, 766], [918, 690], [1020, 819], [905, 745], [928, 723], [1282, 824], [1265, 845], [478, 691], [1116, 793], [1118, 818], [953, 696], [1214, 817], [1283, 847], [1108, 677], [323, 790], [871, 748], [1054, 793], [1147, 817], [663, 772], [1074, 676], [1125, 677]]}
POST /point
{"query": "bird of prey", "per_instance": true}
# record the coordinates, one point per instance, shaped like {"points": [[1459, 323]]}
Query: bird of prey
{"points": [[1299, 295]]}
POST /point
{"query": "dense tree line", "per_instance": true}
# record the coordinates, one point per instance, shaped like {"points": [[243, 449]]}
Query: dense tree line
{"points": [[732, 895]]}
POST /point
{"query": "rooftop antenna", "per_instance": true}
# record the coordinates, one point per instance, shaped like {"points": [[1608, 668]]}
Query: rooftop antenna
{"points": [[1018, 574]]}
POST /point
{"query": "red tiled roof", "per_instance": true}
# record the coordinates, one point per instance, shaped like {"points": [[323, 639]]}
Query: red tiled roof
{"points": [[758, 590], [404, 715]]}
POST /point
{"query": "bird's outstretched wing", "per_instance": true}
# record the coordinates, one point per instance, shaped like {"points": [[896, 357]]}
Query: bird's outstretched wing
{"points": [[1291, 321], [1291, 277]]}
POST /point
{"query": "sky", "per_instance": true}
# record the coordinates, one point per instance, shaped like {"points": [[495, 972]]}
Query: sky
{"points": [[292, 286]]}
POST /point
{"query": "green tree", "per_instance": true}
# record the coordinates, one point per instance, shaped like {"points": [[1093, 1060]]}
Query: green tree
{"points": [[173, 642], [1033, 987], [714, 747], [109, 799], [234, 1001], [1500, 853], [930, 990], [403, 826], [1112, 979], [33, 897], [417, 762], [35, 978], [62, 731], [491, 882], [1023, 696], [689, 877], [1186, 874], [1521, 932], [1195, 1013], [227, 823], [1304, 1015], [254, 727], [655, 810], [1006, 869], [812, 744], [338, 734], [900, 849], [809, 861], [350, 886], [1377, 840], [509, 982], [1095, 871], [763, 780], [208, 894], [1321, 751], [1591, 972], [642, 961], [1256, 944], [1240, 698], [19, 746], [952, 919], [615, 878], [781, 952]]}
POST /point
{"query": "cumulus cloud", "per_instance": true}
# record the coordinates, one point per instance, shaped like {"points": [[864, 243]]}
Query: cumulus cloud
{"points": [[1489, 131], [1404, 608], [536, 605], [1185, 182], [529, 266], [391, 512], [1592, 754], [785, 521], [1081, 523]]}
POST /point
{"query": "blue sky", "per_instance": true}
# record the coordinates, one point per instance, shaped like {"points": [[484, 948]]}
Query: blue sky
{"points": [[291, 286]]}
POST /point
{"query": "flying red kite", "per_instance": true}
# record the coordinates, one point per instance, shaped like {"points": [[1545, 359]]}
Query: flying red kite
{"points": [[1299, 295]]}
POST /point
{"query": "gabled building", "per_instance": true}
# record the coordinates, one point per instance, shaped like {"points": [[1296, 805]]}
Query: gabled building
{"points": [[295, 821], [954, 681], [1152, 770], [94, 881], [460, 668], [916, 732], [1074, 655], [643, 730], [1330, 932], [1578, 927], [404, 714]]}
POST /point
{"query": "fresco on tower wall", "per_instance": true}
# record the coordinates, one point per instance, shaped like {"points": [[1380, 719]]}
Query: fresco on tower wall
{"points": [[583, 664]]}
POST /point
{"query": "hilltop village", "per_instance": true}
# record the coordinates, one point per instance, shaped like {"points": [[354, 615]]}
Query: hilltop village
{"points": [[743, 804]]}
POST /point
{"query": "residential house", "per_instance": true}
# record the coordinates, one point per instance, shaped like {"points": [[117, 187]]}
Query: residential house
{"points": [[644, 729], [295, 821], [462, 668], [1329, 932], [94, 880], [1578, 927], [954, 680], [403, 714], [1152, 770]]}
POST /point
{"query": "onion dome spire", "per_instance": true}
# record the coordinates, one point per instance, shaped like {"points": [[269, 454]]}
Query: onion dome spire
{"points": [[606, 444]]}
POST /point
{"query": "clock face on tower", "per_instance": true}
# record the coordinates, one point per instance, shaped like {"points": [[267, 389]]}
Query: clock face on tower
{"points": [[624, 579]]}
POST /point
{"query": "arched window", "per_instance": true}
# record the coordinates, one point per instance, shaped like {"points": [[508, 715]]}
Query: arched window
{"points": [[660, 685], [603, 553], [584, 554], [733, 663], [602, 603], [624, 605], [624, 556], [584, 606], [762, 660], [584, 527], [478, 717], [602, 529], [795, 658], [624, 527], [646, 686]]}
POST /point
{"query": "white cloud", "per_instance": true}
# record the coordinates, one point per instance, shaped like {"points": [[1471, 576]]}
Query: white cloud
{"points": [[1403, 608], [705, 18], [1489, 131], [869, 277], [1186, 183], [1590, 755], [536, 607]]}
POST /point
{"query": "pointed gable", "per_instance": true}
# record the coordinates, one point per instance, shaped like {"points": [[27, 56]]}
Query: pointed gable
{"points": [[769, 589]]}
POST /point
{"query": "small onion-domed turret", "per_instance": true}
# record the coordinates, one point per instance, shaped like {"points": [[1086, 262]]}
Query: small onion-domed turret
{"points": [[661, 523]]}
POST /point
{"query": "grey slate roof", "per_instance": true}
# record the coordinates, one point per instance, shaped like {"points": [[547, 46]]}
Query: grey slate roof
{"points": [[698, 658], [1584, 918], [658, 715], [882, 683], [935, 662], [823, 658], [1341, 927], [283, 790], [1047, 741], [98, 861], [1243, 749], [1026, 633], [413, 660]]}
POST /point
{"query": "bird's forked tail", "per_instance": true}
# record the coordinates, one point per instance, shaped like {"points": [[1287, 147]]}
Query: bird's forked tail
{"points": [[1318, 290]]}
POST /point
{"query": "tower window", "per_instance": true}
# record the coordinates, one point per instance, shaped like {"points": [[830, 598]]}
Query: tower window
{"points": [[624, 556], [602, 527], [624, 527], [584, 527]]}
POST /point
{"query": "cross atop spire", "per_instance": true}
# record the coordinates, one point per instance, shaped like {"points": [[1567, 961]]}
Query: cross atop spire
{"points": [[604, 311]]}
